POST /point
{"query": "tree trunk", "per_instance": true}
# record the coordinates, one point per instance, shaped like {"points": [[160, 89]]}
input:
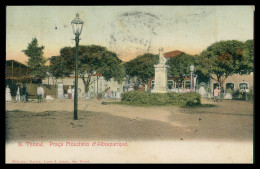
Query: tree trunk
{"points": [[97, 84], [220, 80], [86, 82], [86, 87], [52, 80]]}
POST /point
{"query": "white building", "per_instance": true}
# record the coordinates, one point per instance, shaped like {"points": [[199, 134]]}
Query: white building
{"points": [[98, 84]]}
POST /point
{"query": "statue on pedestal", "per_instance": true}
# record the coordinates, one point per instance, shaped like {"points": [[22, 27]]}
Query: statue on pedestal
{"points": [[162, 59], [160, 85]]}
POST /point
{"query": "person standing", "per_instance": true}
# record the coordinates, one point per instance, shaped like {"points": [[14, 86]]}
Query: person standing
{"points": [[18, 96], [69, 91], [108, 92], [202, 91], [72, 92], [216, 94], [40, 93], [8, 96], [21, 92], [24, 93]]}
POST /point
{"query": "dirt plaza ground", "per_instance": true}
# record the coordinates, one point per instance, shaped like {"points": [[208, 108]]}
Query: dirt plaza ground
{"points": [[53, 120]]}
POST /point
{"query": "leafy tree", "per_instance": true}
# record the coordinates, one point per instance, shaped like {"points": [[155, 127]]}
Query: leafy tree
{"points": [[202, 68], [57, 67], [204, 65], [222, 59], [93, 59], [36, 61], [180, 66], [248, 60], [142, 67]]}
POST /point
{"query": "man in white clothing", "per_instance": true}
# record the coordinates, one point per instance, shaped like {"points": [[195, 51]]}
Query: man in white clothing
{"points": [[40, 93], [17, 98]]}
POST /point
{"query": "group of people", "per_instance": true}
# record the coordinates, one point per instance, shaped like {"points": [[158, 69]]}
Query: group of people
{"points": [[21, 94]]}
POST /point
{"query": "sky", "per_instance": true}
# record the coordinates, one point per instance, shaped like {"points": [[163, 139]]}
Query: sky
{"points": [[127, 30]]}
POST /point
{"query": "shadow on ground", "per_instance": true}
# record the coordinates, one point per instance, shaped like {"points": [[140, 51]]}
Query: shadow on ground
{"points": [[54, 125]]}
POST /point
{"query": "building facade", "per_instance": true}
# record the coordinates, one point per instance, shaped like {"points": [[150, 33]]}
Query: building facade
{"points": [[98, 84], [241, 82]]}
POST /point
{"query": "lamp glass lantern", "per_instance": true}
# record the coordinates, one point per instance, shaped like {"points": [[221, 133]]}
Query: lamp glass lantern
{"points": [[77, 25], [192, 68]]}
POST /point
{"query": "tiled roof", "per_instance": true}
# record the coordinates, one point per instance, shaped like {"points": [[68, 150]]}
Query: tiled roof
{"points": [[97, 74], [172, 54]]}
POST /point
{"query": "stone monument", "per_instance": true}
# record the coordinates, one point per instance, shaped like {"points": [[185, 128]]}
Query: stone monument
{"points": [[161, 79]]}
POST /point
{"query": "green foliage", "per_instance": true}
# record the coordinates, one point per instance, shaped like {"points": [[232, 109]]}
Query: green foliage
{"points": [[248, 60], [36, 61], [227, 55], [93, 58], [67, 54], [238, 95], [204, 65], [57, 67], [225, 58], [180, 66], [142, 67], [145, 98], [250, 95], [99, 96], [229, 90]]}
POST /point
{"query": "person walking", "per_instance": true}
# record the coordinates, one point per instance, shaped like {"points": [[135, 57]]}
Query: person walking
{"points": [[216, 94]]}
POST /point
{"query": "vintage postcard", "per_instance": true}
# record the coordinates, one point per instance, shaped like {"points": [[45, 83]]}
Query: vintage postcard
{"points": [[129, 84]]}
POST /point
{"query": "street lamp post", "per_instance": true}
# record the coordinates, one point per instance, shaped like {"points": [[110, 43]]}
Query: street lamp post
{"points": [[77, 25], [191, 71]]}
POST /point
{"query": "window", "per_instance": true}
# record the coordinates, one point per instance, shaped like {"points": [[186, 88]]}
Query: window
{"points": [[215, 85], [170, 84], [187, 84], [243, 86], [229, 87]]}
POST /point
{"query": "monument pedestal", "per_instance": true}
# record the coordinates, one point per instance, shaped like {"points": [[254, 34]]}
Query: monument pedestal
{"points": [[161, 79]]}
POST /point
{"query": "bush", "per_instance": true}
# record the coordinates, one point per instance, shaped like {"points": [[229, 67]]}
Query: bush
{"points": [[237, 95], [250, 95], [229, 91], [144, 98], [99, 96]]}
